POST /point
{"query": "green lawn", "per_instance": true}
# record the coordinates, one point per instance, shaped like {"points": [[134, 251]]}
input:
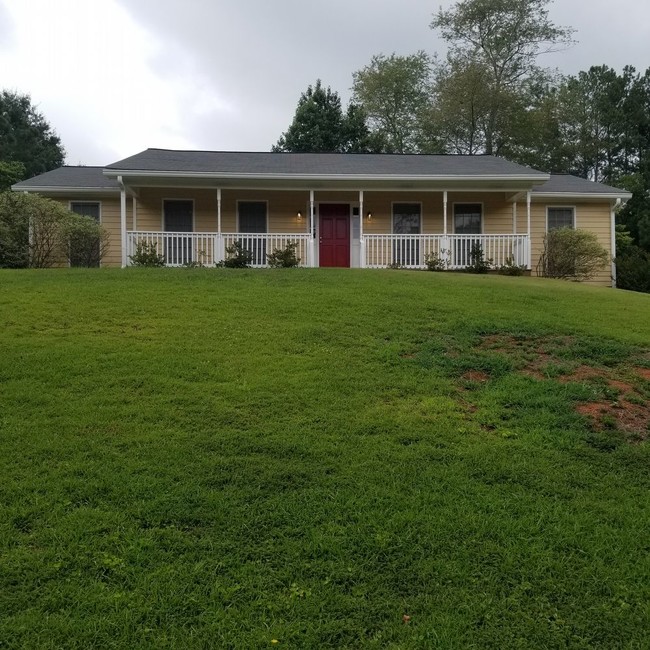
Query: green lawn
{"points": [[301, 458]]}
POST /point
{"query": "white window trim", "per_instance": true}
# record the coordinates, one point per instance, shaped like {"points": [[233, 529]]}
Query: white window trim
{"points": [[176, 200], [563, 207], [392, 214], [89, 201], [266, 216], [453, 214]]}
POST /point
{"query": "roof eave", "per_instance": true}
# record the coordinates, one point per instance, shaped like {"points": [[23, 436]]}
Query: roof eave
{"points": [[624, 196], [530, 178], [59, 189]]}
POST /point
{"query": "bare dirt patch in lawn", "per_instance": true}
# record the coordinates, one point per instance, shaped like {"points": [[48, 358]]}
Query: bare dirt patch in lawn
{"points": [[624, 405]]}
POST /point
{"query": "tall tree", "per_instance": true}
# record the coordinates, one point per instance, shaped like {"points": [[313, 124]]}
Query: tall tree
{"points": [[26, 137], [505, 38], [396, 93], [320, 125]]}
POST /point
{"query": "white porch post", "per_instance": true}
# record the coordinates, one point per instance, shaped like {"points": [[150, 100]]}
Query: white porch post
{"points": [[123, 220], [312, 229], [362, 241], [220, 253], [445, 253], [530, 247]]}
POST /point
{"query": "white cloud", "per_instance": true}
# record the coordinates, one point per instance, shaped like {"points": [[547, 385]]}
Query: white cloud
{"points": [[91, 70]]}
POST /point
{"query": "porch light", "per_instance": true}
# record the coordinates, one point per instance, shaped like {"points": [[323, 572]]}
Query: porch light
{"points": [[299, 215], [369, 215]]}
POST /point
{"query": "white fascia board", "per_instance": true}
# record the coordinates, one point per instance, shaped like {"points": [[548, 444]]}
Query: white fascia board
{"points": [[65, 190], [624, 196], [114, 173]]}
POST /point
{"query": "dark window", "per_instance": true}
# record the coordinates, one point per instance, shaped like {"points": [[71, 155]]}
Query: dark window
{"points": [[84, 252], [86, 208], [560, 218], [252, 219], [467, 221], [467, 218], [178, 218], [406, 221], [406, 218]]}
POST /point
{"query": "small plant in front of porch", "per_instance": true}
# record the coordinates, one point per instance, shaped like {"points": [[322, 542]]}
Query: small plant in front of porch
{"points": [[146, 254], [238, 257], [478, 263], [437, 261], [284, 258], [199, 263], [510, 268]]}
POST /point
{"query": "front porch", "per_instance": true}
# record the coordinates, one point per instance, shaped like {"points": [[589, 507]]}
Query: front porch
{"points": [[375, 250]]}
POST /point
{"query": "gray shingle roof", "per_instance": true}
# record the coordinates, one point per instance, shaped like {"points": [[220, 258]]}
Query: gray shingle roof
{"points": [[87, 178], [326, 164], [93, 178], [567, 184]]}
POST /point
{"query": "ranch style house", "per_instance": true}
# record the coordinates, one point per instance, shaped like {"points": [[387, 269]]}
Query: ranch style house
{"points": [[341, 210]]}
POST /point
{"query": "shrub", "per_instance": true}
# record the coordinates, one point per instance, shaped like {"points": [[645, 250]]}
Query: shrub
{"points": [[33, 231], [436, 261], [284, 258], [478, 263], [510, 268], [146, 254], [85, 240], [238, 257], [571, 254], [633, 270]]}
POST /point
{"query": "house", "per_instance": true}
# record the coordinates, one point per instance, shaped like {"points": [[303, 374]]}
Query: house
{"points": [[344, 210]]}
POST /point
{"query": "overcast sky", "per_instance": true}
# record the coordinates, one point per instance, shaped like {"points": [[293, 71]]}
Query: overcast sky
{"points": [[114, 77]]}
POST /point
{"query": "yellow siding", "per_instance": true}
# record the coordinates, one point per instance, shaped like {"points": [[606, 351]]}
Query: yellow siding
{"points": [[283, 207], [589, 216], [110, 219]]}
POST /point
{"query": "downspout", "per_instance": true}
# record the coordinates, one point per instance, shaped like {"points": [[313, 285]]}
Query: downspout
{"points": [[615, 206], [123, 219]]}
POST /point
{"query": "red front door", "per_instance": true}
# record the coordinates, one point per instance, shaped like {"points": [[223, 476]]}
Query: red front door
{"points": [[334, 248]]}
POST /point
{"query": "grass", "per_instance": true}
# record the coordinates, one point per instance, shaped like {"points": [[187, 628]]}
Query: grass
{"points": [[224, 459]]}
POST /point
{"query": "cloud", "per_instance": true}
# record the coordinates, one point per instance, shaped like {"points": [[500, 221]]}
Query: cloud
{"points": [[117, 76]]}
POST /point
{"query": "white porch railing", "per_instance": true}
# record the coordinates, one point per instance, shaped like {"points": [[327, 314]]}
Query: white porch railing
{"points": [[209, 248], [411, 251]]}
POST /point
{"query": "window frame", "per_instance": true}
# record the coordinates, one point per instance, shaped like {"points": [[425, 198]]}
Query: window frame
{"points": [[97, 202], [266, 215], [176, 200], [562, 207], [392, 215], [453, 217]]}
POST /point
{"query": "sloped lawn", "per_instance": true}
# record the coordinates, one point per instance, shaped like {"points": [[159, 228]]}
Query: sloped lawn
{"points": [[312, 459]]}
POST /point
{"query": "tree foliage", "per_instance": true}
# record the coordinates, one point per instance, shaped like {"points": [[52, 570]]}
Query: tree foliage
{"points": [[320, 125], [493, 50], [26, 138], [396, 94], [38, 232], [571, 254]]}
